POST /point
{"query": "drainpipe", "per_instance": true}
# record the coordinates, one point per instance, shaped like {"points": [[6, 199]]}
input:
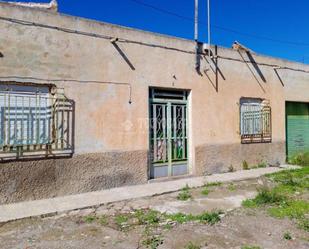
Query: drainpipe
{"points": [[197, 63]]}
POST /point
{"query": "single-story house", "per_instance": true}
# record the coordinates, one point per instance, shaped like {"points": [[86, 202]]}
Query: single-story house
{"points": [[86, 105]]}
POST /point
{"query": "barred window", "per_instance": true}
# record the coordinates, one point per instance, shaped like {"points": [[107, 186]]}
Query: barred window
{"points": [[255, 120], [32, 120]]}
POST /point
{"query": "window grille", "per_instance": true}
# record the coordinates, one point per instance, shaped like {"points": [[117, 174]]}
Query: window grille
{"points": [[32, 120], [255, 121]]}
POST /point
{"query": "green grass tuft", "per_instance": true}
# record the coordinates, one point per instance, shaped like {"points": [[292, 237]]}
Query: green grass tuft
{"points": [[303, 224], [262, 165], [103, 220], [191, 245], [287, 236], [265, 196], [89, 218], [153, 242], [180, 217], [210, 218], [250, 247], [301, 159], [231, 187], [205, 191], [245, 165], [212, 184], [291, 181], [292, 209], [206, 217], [121, 219], [231, 168], [249, 203], [285, 199], [184, 194], [150, 217]]}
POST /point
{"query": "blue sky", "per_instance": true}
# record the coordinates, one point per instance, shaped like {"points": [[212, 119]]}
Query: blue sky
{"points": [[273, 27]]}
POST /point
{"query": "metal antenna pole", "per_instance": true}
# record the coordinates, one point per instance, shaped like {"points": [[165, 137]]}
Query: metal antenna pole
{"points": [[196, 21], [197, 63], [208, 22]]}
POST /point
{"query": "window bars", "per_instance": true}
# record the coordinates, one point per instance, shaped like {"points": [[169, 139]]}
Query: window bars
{"points": [[255, 121], [33, 121]]}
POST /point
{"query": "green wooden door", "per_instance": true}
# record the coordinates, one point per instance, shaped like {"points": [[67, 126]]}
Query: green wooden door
{"points": [[297, 128]]}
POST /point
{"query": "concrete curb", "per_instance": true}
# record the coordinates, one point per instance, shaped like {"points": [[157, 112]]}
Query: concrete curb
{"points": [[28, 209]]}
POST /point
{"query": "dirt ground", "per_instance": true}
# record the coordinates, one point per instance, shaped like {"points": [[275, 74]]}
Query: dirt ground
{"points": [[106, 227]]}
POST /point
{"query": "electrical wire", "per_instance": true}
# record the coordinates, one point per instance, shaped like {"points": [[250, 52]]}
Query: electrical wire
{"points": [[94, 35], [255, 36], [99, 36], [129, 85]]}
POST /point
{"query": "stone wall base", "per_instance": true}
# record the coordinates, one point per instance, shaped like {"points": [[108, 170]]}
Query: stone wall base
{"points": [[218, 158], [39, 179]]}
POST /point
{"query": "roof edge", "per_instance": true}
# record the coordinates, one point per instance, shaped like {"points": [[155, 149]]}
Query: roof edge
{"points": [[51, 6]]}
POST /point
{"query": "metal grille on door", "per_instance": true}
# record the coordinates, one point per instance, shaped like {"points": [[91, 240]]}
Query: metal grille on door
{"points": [[168, 136]]}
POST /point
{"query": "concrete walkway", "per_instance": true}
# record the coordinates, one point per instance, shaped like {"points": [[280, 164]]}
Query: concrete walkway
{"points": [[61, 204]]}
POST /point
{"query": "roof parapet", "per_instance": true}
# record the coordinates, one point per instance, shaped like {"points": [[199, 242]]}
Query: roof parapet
{"points": [[52, 6]]}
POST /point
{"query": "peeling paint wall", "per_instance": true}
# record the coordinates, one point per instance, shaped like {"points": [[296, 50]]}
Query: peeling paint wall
{"points": [[109, 85]]}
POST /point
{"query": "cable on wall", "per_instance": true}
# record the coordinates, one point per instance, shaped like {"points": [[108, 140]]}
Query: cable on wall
{"points": [[129, 85], [99, 36], [89, 34]]}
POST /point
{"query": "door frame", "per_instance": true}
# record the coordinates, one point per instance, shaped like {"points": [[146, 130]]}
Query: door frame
{"points": [[169, 102]]}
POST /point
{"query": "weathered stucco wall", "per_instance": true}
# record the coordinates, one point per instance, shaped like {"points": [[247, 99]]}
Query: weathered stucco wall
{"points": [[109, 85], [30, 180]]}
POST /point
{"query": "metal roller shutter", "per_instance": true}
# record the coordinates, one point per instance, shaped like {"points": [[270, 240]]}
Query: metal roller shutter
{"points": [[297, 128]]}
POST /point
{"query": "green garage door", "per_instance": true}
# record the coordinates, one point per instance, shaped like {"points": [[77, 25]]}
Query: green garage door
{"points": [[297, 128]]}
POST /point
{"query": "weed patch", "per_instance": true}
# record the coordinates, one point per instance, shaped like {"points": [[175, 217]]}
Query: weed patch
{"points": [[205, 191], [301, 159], [210, 218], [153, 241], [303, 223], [103, 220], [262, 165], [121, 220], [284, 199], [265, 196], [245, 165], [184, 194], [212, 184], [191, 245], [287, 236], [180, 217], [292, 180], [292, 209], [231, 187], [206, 217], [250, 247], [151, 217], [154, 223], [231, 168], [249, 203], [89, 218]]}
